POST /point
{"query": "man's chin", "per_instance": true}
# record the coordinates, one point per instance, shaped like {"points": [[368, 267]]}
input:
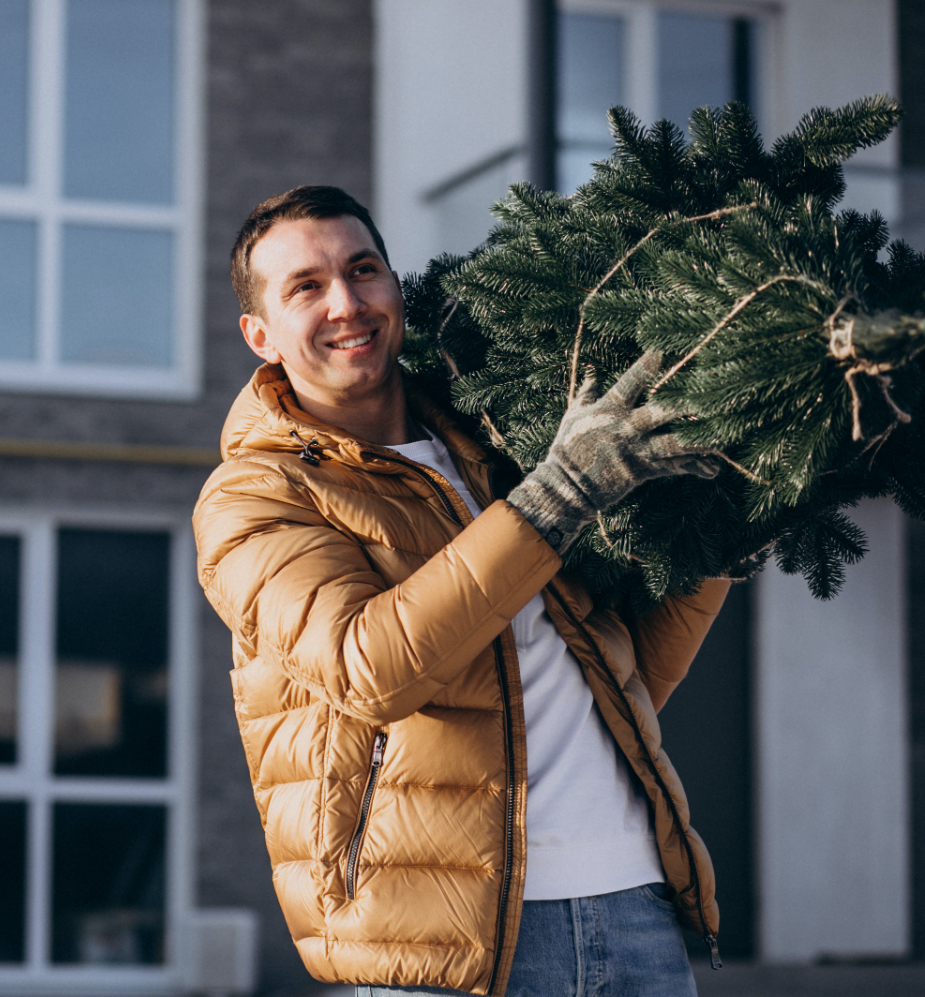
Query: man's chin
{"points": [[358, 385]]}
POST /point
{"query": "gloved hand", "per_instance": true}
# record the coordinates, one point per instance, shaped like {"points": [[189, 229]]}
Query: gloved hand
{"points": [[604, 448]]}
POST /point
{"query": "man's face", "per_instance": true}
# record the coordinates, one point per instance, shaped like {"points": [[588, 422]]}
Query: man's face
{"points": [[334, 311]]}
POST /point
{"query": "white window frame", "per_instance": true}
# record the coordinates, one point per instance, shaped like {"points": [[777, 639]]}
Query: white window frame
{"points": [[31, 778], [42, 200], [642, 69]]}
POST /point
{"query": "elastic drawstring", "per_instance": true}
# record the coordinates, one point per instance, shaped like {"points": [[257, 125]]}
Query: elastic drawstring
{"points": [[307, 453]]}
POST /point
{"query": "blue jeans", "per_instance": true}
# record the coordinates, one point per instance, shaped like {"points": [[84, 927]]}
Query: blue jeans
{"points": [[625, 944]]}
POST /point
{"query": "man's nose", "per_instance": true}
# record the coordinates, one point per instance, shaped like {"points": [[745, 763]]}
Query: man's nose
{"points": [[343, 301]]}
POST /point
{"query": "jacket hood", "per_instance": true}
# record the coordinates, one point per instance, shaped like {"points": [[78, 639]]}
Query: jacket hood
{"points": [[266, 413]]}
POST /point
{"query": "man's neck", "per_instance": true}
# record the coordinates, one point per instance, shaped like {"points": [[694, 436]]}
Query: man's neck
{"points": [[383, 420]]}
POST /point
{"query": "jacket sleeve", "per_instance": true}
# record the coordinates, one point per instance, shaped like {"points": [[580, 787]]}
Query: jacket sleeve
{"points": [[302, 593], [667, 638]]}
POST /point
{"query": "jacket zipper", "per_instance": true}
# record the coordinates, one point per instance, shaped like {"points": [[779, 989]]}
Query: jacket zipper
{"points": [[508, 817], [509, 810], [422, 473], [509, 735], [354, 853], [715, 961], [709, 938]]}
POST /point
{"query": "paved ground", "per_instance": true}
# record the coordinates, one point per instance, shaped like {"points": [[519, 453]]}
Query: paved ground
{"points": [[745, 980]]}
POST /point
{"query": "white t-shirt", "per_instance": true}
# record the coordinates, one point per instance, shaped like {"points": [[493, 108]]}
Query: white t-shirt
{"points": [[588, 826]]}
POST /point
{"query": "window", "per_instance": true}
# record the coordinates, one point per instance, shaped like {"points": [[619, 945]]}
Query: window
{"points": [[660, 61], [99, 205], [93, 762]]}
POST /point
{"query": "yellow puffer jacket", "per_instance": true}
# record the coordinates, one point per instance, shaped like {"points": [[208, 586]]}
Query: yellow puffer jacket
{"points": [[378, 695]]}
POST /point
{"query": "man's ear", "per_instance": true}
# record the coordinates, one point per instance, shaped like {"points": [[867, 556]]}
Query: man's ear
{"points": [[255, 332]]}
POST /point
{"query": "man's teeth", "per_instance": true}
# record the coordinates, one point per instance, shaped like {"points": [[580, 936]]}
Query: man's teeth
{"points": [[348, 344]]}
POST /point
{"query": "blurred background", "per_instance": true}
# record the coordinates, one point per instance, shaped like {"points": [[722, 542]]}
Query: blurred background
{"points": [[135, 137]]}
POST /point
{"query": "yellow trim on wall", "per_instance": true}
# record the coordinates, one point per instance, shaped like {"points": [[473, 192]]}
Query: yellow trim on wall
{"points": [[120, 452]]}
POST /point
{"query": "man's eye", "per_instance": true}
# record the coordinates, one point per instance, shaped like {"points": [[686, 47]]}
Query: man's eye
{"points": [[365, 268]]}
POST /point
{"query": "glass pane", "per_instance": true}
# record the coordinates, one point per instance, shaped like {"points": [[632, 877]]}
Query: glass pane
{"points": [[574, 164], [12, 880], [108, 884], [17, 289], [111, 678], [116, 296], [9, 649], [120, 100], [591, 80], [14, 76], [696, 64], [591, 62], [464, 216]]}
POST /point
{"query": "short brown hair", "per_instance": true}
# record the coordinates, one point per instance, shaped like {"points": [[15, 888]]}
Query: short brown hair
{"points": [[301, 202]]}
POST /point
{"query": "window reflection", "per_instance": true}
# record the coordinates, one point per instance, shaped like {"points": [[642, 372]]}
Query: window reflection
{"points": [[114, 306], [702, 60], [17, 288], [111, 675], [590, 81], [14, 75], [12, 880], [9, 646], [119, 117], [108, 884]]}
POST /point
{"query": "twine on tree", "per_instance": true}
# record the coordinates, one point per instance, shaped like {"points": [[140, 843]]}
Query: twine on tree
{"points": [[742, 303], [741, 469], [449, 310], [576, 348], [842, 347]]}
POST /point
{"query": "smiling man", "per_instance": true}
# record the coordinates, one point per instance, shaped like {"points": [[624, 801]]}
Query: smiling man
{"points": [[454, 749], [326, 305]]}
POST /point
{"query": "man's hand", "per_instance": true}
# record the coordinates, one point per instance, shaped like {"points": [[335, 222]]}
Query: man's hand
{"points": [[604, 448]]}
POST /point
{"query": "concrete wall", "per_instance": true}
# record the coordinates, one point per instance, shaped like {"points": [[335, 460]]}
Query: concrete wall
{"points": [[832, 758], [450, 94]]}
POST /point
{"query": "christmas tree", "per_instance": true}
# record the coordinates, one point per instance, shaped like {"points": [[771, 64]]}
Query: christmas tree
{"points": [[790, 335]]}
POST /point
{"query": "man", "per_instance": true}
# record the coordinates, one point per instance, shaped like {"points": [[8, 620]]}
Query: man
{"points": [[454, 751]]}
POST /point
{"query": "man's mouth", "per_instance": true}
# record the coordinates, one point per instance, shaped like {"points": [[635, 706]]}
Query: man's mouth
{"points": [[349, 344]]}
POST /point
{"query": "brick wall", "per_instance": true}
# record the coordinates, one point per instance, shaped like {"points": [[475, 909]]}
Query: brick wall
{"points": [[288, 101]]}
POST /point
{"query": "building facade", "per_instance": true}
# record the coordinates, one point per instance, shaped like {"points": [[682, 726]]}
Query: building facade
{"points": [[802, 708], [135, 136]]}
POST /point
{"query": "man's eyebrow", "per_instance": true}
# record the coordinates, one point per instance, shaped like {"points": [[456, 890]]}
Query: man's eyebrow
{"points": [[364, 254], [360, 254], [301, 274]]}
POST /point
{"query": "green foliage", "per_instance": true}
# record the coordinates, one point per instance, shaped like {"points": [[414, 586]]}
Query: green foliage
{"points": [[790, 336]]}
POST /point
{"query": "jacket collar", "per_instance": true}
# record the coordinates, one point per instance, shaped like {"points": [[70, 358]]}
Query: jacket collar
{"points": [[266, 413]]}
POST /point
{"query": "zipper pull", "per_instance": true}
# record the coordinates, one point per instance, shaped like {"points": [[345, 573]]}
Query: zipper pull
{"points": [[379, 748], [308, 450], [715, 960]]}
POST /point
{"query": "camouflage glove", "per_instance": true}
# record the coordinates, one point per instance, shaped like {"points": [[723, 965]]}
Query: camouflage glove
{"points": [[604, 448]]}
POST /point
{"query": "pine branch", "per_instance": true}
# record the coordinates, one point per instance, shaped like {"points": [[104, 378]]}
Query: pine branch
{"points": [[792, 347]]}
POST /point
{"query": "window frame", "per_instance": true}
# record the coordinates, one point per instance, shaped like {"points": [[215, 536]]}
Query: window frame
{"points": [[31, 778], [41, 199], [642, 69]]}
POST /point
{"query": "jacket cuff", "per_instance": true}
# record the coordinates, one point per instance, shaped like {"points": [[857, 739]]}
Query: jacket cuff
{"points": [[549, 501]]}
